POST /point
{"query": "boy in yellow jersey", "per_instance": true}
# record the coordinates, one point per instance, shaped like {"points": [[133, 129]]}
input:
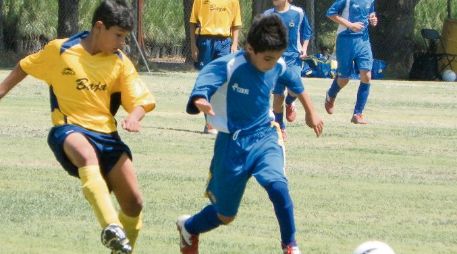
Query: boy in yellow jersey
{"points": [[214, 28], [89, 77]]}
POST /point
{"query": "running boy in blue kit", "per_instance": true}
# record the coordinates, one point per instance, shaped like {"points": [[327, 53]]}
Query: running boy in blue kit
{"points": [[352, 47], [89, 77], [234, 91], [300, 33]]}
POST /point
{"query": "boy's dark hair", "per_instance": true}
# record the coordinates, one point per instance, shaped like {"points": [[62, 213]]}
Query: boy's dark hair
{"points": [[114, 13], [267, 33]]}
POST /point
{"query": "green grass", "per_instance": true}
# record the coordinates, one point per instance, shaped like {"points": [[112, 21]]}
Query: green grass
{"points": [[393, 180]]}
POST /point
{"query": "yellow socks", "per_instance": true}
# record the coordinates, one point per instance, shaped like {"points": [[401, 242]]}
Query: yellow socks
{"points": [[132, 226], [96, 192]]}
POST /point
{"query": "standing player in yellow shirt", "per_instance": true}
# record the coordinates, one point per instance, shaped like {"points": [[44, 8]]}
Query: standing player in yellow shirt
{"points": [[89, 77], [214, 29]]}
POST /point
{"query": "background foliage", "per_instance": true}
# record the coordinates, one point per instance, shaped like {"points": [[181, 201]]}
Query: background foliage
{"points": [[28, 24]]}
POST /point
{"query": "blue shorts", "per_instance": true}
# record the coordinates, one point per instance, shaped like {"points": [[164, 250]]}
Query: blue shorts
{"points": [[109, 147], [236, 159], [296, 66], [352, 50], [210, 48]]}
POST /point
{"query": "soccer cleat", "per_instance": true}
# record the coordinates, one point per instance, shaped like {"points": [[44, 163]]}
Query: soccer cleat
{"points": [[188, 242], [113, 237], [358, 119], [289, 249], [284, 134], [291, 112], [329, 103], [209, 129]]}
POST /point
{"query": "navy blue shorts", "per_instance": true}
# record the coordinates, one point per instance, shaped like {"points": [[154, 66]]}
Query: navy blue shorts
{"points": [[210, 48], [237, 158], [109, 147]]}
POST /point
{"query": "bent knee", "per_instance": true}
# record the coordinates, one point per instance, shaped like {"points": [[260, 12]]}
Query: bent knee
{"points": [[133, 206], [225, 219]]}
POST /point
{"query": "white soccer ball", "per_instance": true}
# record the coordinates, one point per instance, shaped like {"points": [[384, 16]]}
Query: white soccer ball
{"points": [[373, 247], [448, 75]]}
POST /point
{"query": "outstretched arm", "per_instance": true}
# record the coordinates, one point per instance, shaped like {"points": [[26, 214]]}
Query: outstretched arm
{"points": [[312, 119], [15, 76]]}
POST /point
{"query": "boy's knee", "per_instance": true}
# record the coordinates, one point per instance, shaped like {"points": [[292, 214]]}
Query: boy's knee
{"points": [[225, 219], [133, 206]]}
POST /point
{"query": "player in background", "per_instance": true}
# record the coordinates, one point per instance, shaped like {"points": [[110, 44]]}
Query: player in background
{"points": [[352, 47], [299, 31], [214, 30], [89, 77], [235, 92]]}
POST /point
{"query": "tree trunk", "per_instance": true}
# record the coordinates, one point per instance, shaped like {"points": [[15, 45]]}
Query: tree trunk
{"points": [[68, 18], [2, 43], [187, 4], [392, 39], [259, 6]]}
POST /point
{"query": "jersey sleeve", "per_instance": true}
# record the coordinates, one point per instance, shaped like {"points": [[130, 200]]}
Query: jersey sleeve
{"points": [[40, 64], [210, 78], [305, 29], [336, 8], [194, 13], [237, 14], [292, 80], [134, 92]]}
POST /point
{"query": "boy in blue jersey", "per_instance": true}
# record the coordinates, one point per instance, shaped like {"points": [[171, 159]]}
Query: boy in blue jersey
{"points": [[352, 47], [299, 32], [234, 91], [89, 77]]}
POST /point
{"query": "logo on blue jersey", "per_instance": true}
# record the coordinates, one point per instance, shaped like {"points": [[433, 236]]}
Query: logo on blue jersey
{"points": [[239, 89], [291, 23], [68, 71]]}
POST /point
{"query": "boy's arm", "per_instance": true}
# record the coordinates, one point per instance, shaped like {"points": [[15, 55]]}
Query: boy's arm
{"points": [[355, 27], [235, 36], [15, 76], [312, 119], [132, 122], [193, 41]]}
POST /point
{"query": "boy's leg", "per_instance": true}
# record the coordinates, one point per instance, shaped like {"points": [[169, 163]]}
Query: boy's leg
{"points": [[124, 184], [278, 193], [82, 155], [278, 107], [362, 97]]}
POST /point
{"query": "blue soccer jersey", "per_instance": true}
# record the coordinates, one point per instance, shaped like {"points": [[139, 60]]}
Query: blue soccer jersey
{"points": [[354, 11], [298, 28], [239, 93]]}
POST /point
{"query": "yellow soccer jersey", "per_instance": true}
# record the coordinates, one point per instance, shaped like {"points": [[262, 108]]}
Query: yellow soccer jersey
{"points": [[216, 17], [86, 89]]}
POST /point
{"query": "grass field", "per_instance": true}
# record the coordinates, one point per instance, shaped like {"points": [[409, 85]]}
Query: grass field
{"points": [[394, 180]]}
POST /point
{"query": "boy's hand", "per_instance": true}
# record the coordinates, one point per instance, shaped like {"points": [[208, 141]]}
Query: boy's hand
{"points": [[356, 27], [373, 19], [131, 125], [316, 123], [204, 106]]}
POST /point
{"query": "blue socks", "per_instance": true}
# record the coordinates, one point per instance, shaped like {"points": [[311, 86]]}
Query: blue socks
{"points": [[279, 119], [334, 89], [284, 209], [290, 99], [362, 97], [203, 221]]}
